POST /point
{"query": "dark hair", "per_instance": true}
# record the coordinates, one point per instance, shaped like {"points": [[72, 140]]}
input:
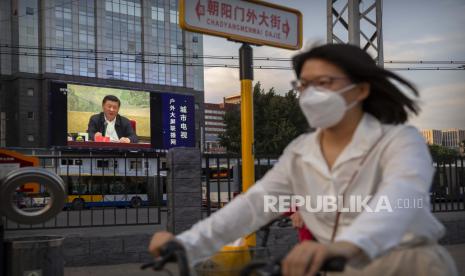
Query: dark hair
{"points": [[386, 102], [111, 98]]}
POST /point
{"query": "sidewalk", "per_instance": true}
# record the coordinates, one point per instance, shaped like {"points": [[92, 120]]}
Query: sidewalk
{"points": [[116, 270], [457, 251]]}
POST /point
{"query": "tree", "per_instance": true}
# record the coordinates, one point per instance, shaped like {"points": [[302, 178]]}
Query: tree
{"points": [[231, 138], [277, 121], [442, 153]]}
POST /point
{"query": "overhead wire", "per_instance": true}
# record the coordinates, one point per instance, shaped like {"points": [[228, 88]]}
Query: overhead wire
{"points": [[207, 65], [196, 56]]}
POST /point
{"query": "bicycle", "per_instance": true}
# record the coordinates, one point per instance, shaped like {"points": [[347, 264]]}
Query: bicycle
{"points": [[173, 251]]}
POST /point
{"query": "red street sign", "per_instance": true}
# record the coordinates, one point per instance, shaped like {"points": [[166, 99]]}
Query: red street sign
{"points": [[253, 22]]}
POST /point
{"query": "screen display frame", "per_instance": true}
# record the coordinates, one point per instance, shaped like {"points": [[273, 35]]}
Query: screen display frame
{"points": [[159, 116]]}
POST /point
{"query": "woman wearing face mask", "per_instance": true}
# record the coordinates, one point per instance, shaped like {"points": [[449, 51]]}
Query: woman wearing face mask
{"points": [[362, 150]]}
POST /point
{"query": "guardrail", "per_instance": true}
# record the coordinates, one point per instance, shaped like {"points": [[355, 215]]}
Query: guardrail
{"points": [[103, 189], [221, 178], [221, 181], [448, 189], [125, 188]]}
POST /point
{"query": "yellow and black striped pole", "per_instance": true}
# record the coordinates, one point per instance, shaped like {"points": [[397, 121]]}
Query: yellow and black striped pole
{"points": [[247, 130]]}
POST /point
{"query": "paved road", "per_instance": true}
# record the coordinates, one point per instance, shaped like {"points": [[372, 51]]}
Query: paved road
{"points": [[116, 270], [458, 253]]}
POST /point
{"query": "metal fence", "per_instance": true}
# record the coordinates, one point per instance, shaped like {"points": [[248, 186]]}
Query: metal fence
{"points": [[448, 189], [104, 189], [221, 181], [114, 189], [221, 178]]}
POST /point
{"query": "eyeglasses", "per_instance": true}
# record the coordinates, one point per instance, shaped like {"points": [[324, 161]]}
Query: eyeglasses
{"points": [[322, 81]]}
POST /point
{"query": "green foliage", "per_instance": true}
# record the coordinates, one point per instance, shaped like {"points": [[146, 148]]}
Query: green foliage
{"points": [[135, 98], [442, 153], [89, 99], [277, 121], [231, 138], [78, 103]]}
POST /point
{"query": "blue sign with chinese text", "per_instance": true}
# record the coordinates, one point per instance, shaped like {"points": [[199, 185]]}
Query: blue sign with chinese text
{"points": [[178, 121]]}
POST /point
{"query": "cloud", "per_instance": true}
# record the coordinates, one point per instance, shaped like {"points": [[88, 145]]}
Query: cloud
{"points": [[278, 79], [428, 39], [442, 106], [219, 83], [430, 47], [223, 82]]}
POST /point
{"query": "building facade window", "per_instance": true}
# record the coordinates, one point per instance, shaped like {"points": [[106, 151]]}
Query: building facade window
{"points": [[28, 37], [215, 129], [164, 45], [210, 111], [122, 40], [210, 117], [29, 11], [104, 39], [212, 123], [70, 38]]}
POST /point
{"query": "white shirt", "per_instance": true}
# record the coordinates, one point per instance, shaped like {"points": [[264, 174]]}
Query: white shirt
{"points": [[111, 131], [398, 167]]}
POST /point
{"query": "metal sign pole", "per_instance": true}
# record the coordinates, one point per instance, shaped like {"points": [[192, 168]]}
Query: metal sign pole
{"points": [[247, 131], [282, 30]]}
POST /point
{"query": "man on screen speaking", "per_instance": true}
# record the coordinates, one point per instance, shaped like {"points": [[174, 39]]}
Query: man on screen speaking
{"points": [[110, 124]]}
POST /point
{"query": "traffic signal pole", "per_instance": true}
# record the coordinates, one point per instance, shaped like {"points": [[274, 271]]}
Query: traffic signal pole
{"points": [[247, 129]]}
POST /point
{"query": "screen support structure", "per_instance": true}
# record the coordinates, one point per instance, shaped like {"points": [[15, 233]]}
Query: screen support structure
{"points": [[247, 129]]}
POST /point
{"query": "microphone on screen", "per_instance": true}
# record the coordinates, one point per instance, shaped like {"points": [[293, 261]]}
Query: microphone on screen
{"points": [[105, 124]]}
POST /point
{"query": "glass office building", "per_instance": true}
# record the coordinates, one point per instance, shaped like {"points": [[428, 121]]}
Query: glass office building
{"points": [[135, 44]]}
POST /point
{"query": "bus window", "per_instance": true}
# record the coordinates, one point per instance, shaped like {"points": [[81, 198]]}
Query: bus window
{"points": [[116, 187]]}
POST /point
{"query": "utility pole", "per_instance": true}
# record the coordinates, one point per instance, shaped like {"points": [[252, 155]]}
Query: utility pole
{"points": [[357, 22]]}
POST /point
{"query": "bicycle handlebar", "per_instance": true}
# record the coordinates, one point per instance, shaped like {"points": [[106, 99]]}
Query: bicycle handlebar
{"points": [[172, 251]]}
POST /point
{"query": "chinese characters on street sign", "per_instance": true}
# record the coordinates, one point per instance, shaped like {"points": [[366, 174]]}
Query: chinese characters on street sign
{"points": [[253, 22]]}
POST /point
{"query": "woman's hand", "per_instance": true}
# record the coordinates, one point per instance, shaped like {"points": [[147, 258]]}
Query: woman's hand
{"points": [[158, 240], [297, 221], [307, 257]]}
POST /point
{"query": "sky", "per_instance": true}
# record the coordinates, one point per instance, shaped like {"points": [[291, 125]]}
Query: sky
{"points": [[412, 30]]}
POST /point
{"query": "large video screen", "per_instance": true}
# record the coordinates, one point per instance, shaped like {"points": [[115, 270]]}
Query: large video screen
{"points": [[86, 101], [78, 118]]}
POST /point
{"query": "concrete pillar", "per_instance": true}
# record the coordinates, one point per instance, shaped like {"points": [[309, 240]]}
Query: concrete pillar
{"points": [[183, 188]]}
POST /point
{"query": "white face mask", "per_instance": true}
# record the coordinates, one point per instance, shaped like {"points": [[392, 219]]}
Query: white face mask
{"points": [[324, 108]]}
